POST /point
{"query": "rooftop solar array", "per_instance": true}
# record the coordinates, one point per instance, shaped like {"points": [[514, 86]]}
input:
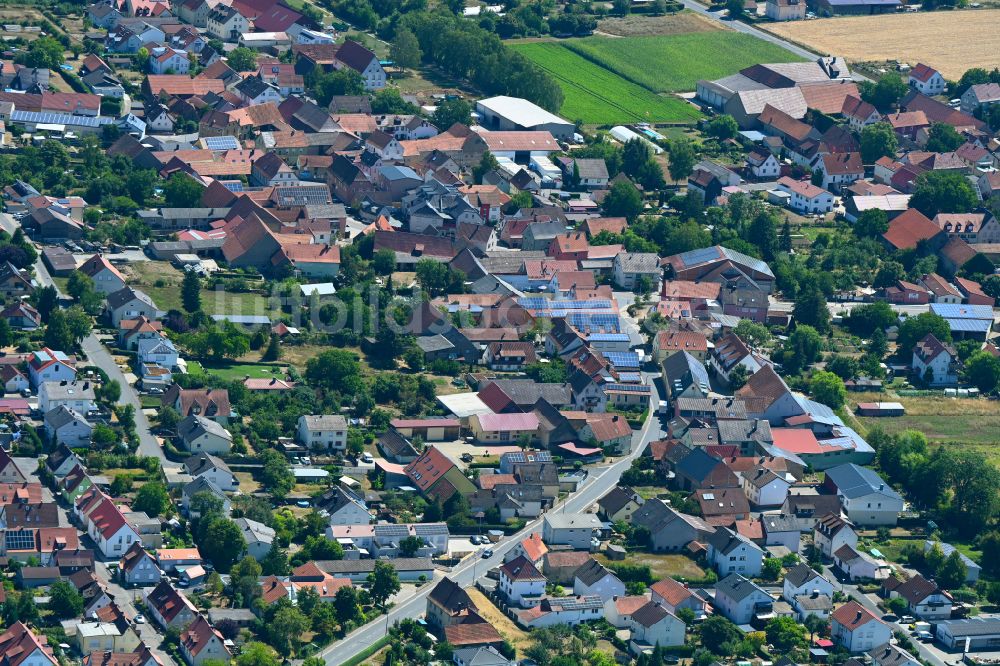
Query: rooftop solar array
{"points": [[401, 531], [233, 185], [47, 118], [430, 529], [623, 359], [522, 457], [221, 143], [628, 388], [540, 303], [595, 322], [578, 603], [20, 539]]}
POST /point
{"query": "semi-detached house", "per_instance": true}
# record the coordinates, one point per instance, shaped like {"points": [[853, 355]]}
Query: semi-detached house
{"points": [[806, 197]]}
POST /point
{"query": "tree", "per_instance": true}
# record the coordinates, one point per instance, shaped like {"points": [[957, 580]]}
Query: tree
{"points": [[276, 473], [682, 159], [191, 291], [257, 654], [45, 53], [771, 569], [452, 111], [388, 100], [752, 333], [346, 605], [57, 332], [244, 580], [182, 191], [982, 369], [784, 633], [152, 499], [844, 367], [438, 278], [110, 391], [943, 192], [286, 627], [886, 93], [717, 631], [952, 572], [273, 351], [810, 307], [828, 389], [64, 600], [405, 49], [738, 377], [943, 138], [878, 140], [785, 239], [168, 418], [384, 261], [915, 328], [865, 319], [383, 582], [275, 563], [46, 300], [121, 485], [623, 200], [242, 59], [871, 223], [223, 543], [723, 127], [735, 9], [328, 85], [486, 164], [801, 349], [409, 546], [336, 370]]}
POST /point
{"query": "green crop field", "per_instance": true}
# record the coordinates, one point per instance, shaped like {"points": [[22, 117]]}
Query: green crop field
{"points": [[598, 96], [675, 63]]}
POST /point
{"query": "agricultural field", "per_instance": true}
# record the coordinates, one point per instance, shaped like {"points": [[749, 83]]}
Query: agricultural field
{"points": [[598, 96], [971, 423], [937, 39], [675, 63], [635, 25]]}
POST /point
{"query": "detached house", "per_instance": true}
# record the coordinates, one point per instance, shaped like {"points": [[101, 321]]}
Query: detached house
{"points": [[856, 629], [521, 583], [739, 599], [20, 646], [206, 466], [107, 279], [225, 23], [839, 169], [652, 626], [200, 434], [763, 165], [934, 362], [129, 303], [595, 579], [730, 552], [833, 533], [927, 80], [866, 498], [363, 61], [168, 607], [323, 432], [806, 197], [923, 597], [138, 568], [201, 642], [47, 365]]}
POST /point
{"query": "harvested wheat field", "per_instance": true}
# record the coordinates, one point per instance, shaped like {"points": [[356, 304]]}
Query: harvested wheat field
{"points": [[939, 39], [637, 25]]}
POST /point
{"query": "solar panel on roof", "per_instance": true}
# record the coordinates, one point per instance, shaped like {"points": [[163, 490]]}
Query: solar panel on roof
{"points": [[701, 256], [20, 540], [623, 359], [222, 143], [629, 388], [37, 117]]}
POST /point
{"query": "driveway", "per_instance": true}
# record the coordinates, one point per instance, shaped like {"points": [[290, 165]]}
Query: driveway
{"points": [[126, 598]]}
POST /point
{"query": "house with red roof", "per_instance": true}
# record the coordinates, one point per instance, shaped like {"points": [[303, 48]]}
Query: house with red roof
{"points": [[907, 293], [47, 365], [927, 80], [910, 228], [168, 607], [20, 646], [935, 362], [107, 279], [521, 583], [806, 197], [110, 530], [856, 629], [437, 476], [201, 642], [972, 292]]}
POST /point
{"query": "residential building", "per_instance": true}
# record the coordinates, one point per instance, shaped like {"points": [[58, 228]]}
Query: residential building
{"points": [[832, 532], [595, 579], [204, 465], [323, 432], [138, 568], [652, 626], [927, 80], [924, 599], [867, 500], [570, 529], [730, 552], [521, 583], [78, 396], [740, 600], [203, 435], [856, 629], [258, 536], [200, 641], [935, 363]]}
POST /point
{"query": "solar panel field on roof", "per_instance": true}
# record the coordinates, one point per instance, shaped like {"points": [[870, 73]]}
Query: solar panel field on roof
{"points": [[222, 143], [233, 185], [628, 388], [20, 540], [595, 322], [546, 304], [59, 119], [623, 359]]}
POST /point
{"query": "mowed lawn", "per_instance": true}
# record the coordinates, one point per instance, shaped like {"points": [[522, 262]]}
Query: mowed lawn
{"points": [[162, 282], [675, 63], [598, 96], [663, 565]]}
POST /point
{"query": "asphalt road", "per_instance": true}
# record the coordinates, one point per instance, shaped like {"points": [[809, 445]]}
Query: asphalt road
{"points": [[99, 356], [598, 483]]}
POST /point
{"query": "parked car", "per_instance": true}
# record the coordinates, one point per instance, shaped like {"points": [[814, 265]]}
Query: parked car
{"points": [[140, 619], [924, 636], [488, 553]]}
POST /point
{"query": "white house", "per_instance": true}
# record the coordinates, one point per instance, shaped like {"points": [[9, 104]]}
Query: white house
{"points": [[739, 599], [109, 529], [927, 80], [730, 552], [803, 579], [595, 579], [763, 165], [654, 625], [168, 607], [856, 629], [161, 352], [165, 60], [806, 197], [344, 507], [384, 145], [201, 642], [866, 498], [521, 583], [323, 431], [68, 426], [674, 596], [570, 529], [259, 537], [19, 645], [781, 530], [129, 303], [107, 279], [363, 61], [137, 567], [47, 365], [934, 362], [226, 23], [859, 565], [924, 598], [201, 435], [78, 396], [832, 532], [764, 488], [206, 466], [631, 267]]}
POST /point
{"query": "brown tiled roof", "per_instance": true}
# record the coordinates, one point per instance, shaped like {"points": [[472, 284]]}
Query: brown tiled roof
{"points": [[673, 593], [828, 97], [853, 615], [183, 85], [909, 228]]}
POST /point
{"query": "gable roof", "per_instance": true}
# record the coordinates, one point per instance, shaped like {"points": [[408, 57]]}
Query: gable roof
{"points": [[853, 615]]}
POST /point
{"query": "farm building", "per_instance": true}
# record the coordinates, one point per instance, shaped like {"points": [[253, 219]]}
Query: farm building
{"points": [[513, 113], [881, 409]]}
